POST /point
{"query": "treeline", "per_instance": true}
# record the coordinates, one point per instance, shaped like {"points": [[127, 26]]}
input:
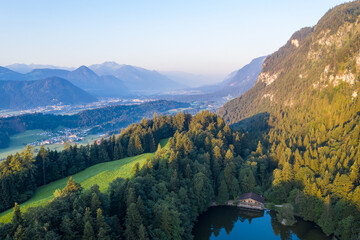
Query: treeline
{"points": [[203, 162], [21, 174], [105, 118]]}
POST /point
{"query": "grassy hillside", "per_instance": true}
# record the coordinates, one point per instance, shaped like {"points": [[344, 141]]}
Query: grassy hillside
{"points": [[101, 174]]}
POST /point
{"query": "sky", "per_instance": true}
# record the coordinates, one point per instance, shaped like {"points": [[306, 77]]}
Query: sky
{"points": [[200, 37]]}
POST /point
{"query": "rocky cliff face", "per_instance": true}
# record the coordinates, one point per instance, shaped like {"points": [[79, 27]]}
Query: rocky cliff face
{"points": [[315, 61]]}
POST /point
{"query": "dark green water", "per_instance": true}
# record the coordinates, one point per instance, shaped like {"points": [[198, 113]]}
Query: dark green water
{"points": [[234, 223]]}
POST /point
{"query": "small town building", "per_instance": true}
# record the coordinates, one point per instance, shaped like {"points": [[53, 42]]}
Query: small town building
{"points": [[251, 200]]}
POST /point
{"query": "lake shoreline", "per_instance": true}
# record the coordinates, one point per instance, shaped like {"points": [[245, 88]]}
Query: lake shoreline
{"points": [[227, 222]]}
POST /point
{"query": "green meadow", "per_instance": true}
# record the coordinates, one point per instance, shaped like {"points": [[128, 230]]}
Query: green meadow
{"points": [[101, 174]]}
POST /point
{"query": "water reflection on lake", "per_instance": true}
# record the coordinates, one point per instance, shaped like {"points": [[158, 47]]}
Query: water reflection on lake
{"points": [[226, 222]]}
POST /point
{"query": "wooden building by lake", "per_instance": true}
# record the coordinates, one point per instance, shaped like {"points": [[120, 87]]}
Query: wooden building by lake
{"points": [[251, 200]]}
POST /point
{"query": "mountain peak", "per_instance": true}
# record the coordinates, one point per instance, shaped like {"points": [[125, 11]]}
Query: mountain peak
{"points": [[105, 68], [82, 68], [112, 64]]}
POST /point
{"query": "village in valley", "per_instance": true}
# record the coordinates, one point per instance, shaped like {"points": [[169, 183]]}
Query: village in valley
{"points": [[73, 135]]}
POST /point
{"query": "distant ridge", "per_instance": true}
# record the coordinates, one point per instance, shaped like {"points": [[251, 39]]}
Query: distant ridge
{"points": [[82, 77], [237, 83], [137, 79], [119, 80], [26, 68], [7, 74], [49, 91]]}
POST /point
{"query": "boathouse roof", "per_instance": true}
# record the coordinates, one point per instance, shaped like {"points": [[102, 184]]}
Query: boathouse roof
{"points": [[253, 196]]}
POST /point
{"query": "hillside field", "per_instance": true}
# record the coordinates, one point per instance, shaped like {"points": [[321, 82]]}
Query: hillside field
{"points": [[101, 174]]}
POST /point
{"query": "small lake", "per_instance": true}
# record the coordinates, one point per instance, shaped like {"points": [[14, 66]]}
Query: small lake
{"points": [[225, 222]]}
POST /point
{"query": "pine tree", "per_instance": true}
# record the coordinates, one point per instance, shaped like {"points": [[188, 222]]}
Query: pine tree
{"points": [[140, 206], [229, 172], [223, 194], [259, 149], [251, 181], [17, 218], [132, 222], [326, 220], [166, 221], [103, 155], [235, 188], [138, 146], [95, 203], [103, 228], [287, 173], [88, 227], [132, 150], [174, 181], [28, 154], [88, 232], [117, 154], [142, 233], [158, 151], [237, 145], [67, 228], [67, 145], [19, 234], [131, 197], [71, 187], [229, 157], [43, 158]]}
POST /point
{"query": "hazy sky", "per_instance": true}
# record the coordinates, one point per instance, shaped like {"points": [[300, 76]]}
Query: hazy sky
{"points": [[202, 37]]}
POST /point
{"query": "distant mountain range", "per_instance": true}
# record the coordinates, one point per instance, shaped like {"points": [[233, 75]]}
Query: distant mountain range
{"points": [[111, 79], [237, 83], [82, 77], [138, 79], [26, 68], [103, 80], [49, 91]]}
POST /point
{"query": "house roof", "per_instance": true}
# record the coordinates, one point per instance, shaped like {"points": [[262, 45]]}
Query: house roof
{"points": [[253, 196]]}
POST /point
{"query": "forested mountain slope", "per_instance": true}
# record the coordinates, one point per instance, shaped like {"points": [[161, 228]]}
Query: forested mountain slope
{"points": [[308, 93]]}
